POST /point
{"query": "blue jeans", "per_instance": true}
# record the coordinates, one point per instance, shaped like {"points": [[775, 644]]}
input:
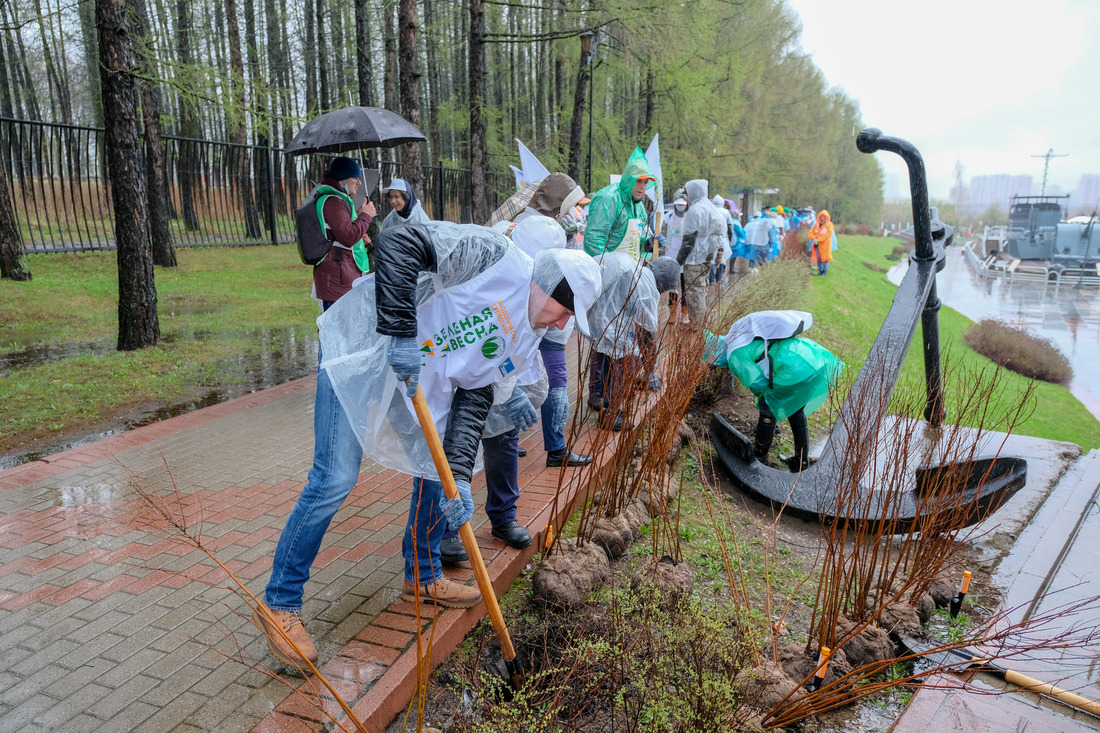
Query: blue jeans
{"points": [[822, 268], [337, 456], [501, 459], [423, 533]]}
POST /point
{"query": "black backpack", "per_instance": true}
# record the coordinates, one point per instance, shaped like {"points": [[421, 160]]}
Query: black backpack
{"points": [[313, 243]]}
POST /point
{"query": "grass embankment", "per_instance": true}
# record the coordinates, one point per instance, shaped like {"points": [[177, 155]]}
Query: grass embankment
{"points": [[219, 309], [849, 306]]}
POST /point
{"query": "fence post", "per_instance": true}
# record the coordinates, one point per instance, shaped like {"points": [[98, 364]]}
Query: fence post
{"points": [[271, 192], [440, 207]]}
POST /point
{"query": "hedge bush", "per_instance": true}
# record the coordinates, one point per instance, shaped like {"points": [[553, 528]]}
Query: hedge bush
{"points": [[1019, 351]]}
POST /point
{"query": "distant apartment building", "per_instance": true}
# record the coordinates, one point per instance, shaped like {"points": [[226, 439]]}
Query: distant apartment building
{"points": [[1087, 195], [986, 191]]}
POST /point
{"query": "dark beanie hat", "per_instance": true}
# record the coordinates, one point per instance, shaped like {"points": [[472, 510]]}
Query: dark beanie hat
{"points": [[342, 168], [666, 272]]}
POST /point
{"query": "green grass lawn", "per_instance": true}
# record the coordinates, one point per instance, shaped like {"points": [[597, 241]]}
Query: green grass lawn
{"points": [[221, 308], [849, 306]]}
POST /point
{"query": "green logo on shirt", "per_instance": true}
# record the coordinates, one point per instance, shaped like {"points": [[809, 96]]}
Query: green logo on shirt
{"points": [[492, 347]]}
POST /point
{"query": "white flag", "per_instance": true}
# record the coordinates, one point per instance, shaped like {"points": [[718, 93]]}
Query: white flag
{"points": [[533, 170], [519, 176], [653, 157]]}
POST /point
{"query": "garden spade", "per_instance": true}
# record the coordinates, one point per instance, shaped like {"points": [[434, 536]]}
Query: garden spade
{"points": [[466, 532], [963, 658]]}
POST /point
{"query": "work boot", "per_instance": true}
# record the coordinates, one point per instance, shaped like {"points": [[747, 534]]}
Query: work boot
{"points": [[556, 458], [521, 452], [614, 423], [514, 535], [795, 464], [443, 592], [596, 402], [452, 551], [270, 621]]}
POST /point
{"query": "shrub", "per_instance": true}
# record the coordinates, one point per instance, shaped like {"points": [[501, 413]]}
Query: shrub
{"points": [[864, 230], [1019, 351]]}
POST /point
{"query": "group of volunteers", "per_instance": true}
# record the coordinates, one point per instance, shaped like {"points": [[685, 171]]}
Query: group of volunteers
{"points": [[477, 318]]}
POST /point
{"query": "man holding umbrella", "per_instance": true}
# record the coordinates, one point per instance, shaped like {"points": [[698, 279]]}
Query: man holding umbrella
{"points": [[467, 334], [333, 276]]}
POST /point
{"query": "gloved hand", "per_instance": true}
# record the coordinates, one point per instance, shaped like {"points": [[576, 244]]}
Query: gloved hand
{"points": [[714, 348], [459, 510], [404, 358], [521, 410], [662, 244], [654, 382]]}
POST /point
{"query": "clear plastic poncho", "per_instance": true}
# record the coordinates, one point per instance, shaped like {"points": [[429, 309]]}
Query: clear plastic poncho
{"points": [[474, 324], [704, 221], [628, 300]]}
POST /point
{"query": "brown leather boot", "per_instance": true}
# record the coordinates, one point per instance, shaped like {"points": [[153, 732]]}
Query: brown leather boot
{"points": [[270, 621], [443, 592]]}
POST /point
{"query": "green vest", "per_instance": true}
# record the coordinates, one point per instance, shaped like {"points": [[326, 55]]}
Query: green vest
{"points": [[359, 249]]}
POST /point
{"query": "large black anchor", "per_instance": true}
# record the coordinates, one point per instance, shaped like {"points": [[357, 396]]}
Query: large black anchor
{"points": [[978, 487]]}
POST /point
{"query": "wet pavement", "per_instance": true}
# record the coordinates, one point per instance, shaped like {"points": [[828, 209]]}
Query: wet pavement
{"points": [[107, 626]]}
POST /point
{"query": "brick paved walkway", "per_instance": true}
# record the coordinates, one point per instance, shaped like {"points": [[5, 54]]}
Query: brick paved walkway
{"points": [[106, 626]]}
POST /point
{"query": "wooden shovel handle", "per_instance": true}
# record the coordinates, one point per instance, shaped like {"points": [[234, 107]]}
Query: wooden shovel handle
{"points": [[466, 532], [1043, 688]]}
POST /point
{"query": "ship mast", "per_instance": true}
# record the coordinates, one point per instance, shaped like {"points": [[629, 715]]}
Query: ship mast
{"points": [[1046, 166]]}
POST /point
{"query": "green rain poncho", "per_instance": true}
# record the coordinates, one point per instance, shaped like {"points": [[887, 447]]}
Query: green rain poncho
{"points": [[794, 373], [612, 212]]}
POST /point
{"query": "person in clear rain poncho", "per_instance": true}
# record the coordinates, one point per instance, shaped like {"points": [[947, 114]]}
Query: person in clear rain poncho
{"points": [[704, 230], [459, 311], [405, 208], [623, 323], [501, 437]]}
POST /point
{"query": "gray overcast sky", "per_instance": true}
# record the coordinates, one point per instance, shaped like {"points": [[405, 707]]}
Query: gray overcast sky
{"points": [[999, 81]]}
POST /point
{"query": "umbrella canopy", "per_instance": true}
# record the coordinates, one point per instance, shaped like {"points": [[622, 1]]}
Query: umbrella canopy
{"points": [[352, 128]]}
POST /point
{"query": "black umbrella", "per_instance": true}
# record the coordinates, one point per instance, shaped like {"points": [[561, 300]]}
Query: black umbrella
{"points": [[352, 128]]}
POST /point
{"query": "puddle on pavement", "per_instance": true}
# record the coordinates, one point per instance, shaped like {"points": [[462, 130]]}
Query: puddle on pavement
{"points": [[282, 355]]}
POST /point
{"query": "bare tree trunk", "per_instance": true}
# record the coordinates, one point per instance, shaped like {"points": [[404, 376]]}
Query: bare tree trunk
{"points": [[650, 101], [477, 122], [309, 55], [409, 83], [13, 265], [138, 325], [431, 42], [244, 166], [325, 97], [389, 48], [163, 252], [86, 11], [188, 124], [362, 54], [578, 121]]}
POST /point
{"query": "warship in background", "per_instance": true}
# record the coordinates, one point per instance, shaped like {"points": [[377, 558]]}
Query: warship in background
{"points": [[1038, 245]]}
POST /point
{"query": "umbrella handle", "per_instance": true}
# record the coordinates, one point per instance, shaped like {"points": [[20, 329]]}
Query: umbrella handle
{"points": [[466, 532]]}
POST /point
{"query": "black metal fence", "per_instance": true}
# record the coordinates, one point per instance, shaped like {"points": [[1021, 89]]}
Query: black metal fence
{"points": [[62, 201]]}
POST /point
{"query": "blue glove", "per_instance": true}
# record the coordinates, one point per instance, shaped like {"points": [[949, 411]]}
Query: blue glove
{"points": [[654, 382], [458, 510], [404, 358], [521, 410], [662, 243]]}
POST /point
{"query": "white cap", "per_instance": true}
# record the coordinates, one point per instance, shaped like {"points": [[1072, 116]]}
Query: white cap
{"points": [[581, 273], [536, 233], [397, 184], [679, 201]]}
